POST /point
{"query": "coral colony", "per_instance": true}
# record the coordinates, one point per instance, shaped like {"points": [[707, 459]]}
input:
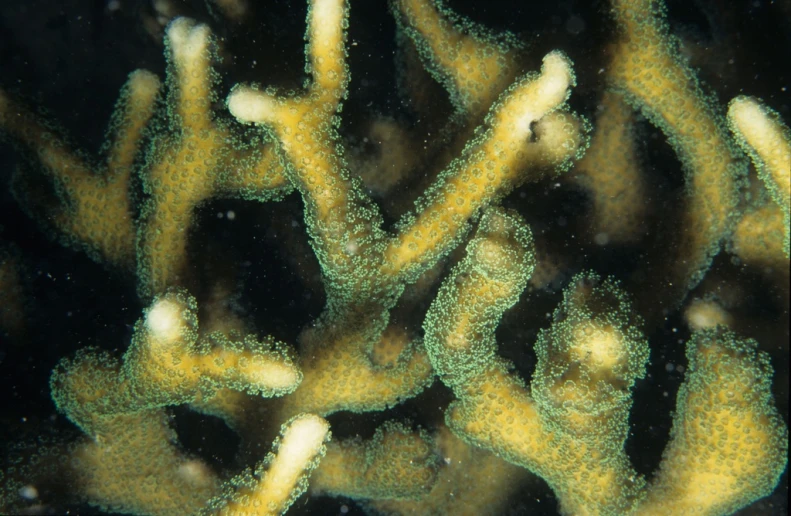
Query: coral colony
{"points": [[421, 257]]}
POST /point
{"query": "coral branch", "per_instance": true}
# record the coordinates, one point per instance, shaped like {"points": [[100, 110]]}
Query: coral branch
{"points": [[283, 476], [412, 249], [95, 211], [645, 66], [768, 142]]}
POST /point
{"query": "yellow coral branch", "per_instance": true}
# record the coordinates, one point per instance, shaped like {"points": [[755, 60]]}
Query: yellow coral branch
{"points": [[283, 476], [95, 212], [646, 66], [768, 141]]}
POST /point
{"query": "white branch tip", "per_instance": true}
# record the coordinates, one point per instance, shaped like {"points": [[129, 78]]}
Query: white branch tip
{"points": [[250, 106]]}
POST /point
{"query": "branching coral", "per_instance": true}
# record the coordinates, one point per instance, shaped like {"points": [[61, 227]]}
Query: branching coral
{"points": [[424, 263]]}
